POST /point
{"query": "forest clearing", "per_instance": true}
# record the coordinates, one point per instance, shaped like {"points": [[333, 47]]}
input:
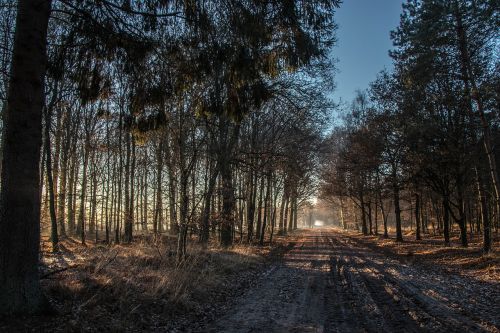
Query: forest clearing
{"points": [[249, 166]]}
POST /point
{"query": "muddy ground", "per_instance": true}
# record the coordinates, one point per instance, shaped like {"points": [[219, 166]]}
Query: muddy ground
{"points": [[331, 281]]}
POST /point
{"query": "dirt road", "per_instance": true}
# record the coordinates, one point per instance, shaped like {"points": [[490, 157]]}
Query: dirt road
{"points": [[329, 282]]}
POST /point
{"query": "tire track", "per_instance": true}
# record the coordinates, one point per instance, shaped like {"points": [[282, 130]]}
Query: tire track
{"points": [[328, 282], [402, 304]]}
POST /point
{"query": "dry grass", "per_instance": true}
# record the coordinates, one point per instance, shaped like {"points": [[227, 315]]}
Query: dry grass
{"points": [[137, 287], [431, 251]]}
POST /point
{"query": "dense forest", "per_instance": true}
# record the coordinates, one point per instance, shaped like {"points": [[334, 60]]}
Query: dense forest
{"points": [[158, 116], [425, 134], [186, 126]]}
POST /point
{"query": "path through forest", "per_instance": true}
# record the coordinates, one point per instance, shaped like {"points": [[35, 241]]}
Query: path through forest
{"points": [[329, 282]]}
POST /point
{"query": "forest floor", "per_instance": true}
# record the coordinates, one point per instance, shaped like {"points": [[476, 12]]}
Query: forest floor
{"points": [[139, 287], [318, 280], [431, 252]]}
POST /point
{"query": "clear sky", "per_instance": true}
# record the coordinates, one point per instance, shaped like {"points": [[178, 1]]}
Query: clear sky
{"points": [[363, 43]]}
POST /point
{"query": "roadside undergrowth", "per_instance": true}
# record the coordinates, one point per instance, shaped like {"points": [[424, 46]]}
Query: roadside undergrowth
{"points": [[431, 251], [140, 286]]}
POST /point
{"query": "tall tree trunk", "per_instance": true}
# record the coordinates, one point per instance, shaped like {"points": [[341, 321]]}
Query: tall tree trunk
{"points": [[295, 212], [384, 218], [172, 199], [50, 184], [397, 212], [127, 191], [285, 214], [129, 188], [252, 196], [184, 171], [73, 177], [364, 227], [183, 215], [145, 194], [259, 207], [158, 202], [384, 215], [93, 201], [20, 196], [473, 93], [132, 191], [120, 175], [417, 216], [274, 207], [485, 217], [228, 205], [462, 217], [291, 216], [282, 211], [57, 147], [207, 208], [91, 225], [342, 218], [108, 176], [225, 157], [80, 227], [61, 202], [370, 222], [266, 208], [172, 188], [446, 220]]}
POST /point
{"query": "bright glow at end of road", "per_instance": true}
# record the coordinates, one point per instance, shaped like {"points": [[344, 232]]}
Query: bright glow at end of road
{"points": [[319, 223]]}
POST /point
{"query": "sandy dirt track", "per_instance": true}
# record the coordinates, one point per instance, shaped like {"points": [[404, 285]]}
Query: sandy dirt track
{"points": [[329, 282]]}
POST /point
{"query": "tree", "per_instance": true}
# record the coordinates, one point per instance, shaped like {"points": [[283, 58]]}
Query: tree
{"points": [[444, 50], [19, 199]]}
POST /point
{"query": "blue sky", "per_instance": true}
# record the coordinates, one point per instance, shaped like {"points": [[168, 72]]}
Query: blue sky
{"points": [[363, 43]]}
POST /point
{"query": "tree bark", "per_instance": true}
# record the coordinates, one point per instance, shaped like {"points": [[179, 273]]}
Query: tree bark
{"points": [[364, 227], [54, 237], [129, 188], [228, 205], [397, 212], [73, 176], [462, 217], [93, 199], [417, 216], [446, 220], [259, 207], [158, 201], [225, 157], [266, 209], [342, 217], [285, 214], [207, 207], [370, 222], [61, 202], [282, 211], [485, 217], [19, 199], [80, 227], [252, 195]]}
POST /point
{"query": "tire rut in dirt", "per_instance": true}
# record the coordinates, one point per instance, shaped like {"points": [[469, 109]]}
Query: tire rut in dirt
{"points": [[395, 315], [343, 315], [427, 313]]}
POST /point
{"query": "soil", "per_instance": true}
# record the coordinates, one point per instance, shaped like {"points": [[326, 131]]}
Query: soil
{"points": [[332, 281], [317, 280]]}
